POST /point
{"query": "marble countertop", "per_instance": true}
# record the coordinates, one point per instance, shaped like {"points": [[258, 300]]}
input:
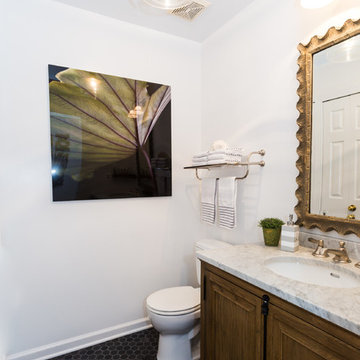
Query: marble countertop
{"points": [[248, 262]]}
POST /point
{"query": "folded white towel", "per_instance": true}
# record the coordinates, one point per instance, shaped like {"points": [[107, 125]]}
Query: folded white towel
{"points": [[227, 191], [208, 196], [200, 159], [199, 163], [228, 151], [225, 158], [205, 158], [219, 156], [223, 161], [215, 156], [201, 155]]}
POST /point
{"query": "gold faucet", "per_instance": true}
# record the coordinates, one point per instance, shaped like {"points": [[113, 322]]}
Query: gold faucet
{"points": [[320, 251], [341, 255]]}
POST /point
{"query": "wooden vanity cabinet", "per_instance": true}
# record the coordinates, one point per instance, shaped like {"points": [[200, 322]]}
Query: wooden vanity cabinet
{"points": [[234, 325], [290, 337], [232, 319]]}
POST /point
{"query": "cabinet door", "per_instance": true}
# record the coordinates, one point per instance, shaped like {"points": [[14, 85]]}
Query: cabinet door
{"points": [[232, 326], [289, 337]]}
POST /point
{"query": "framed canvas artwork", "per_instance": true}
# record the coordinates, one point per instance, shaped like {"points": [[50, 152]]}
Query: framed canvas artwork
{"points": [[110, 136]]}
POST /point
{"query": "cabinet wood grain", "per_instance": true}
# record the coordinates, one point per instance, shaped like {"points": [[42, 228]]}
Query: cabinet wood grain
{"points": [[233, 321], [292, 338]]}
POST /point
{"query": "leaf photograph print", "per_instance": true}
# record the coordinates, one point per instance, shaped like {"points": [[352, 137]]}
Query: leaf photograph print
{"points": [[110, 136]]}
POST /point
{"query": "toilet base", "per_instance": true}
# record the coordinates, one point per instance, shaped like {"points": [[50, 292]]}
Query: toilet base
{"points": [[195, 347], [174, 347]]}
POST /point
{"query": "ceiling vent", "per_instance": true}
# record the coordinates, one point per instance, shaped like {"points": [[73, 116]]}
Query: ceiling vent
{"points": [[191, 10]]}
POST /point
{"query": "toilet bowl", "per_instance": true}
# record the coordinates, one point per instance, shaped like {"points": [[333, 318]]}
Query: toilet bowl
{"points": [[175, 314]]}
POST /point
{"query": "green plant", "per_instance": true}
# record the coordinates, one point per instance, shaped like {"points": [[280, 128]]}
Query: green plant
{"points": [[271, 223]]}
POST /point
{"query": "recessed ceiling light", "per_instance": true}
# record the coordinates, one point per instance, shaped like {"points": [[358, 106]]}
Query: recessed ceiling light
{"points": [[167, 4], [315, 4]]}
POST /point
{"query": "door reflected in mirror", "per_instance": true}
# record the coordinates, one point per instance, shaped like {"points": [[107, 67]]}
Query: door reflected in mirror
{"points": [[335, 145]]}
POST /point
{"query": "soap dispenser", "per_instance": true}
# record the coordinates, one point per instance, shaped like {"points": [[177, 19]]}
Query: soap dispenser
{"points": [[290, 236]]}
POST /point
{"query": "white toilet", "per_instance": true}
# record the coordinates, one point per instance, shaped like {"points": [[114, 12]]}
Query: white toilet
{"points": [[175, 314]]}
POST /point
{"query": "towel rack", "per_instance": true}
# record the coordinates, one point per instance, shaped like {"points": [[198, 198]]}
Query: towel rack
{"points": [[246, 163]]}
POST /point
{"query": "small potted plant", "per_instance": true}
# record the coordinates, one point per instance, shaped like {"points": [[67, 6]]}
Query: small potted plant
{"points": [[271, 230]]}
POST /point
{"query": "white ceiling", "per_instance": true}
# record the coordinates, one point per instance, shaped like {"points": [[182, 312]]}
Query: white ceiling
{"points": [[133, 11]]}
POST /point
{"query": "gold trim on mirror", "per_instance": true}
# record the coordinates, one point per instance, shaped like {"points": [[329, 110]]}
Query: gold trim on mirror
{"points": [[304, 106]]}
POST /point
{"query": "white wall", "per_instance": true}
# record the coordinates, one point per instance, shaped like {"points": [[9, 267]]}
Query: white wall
{"points": [[70, 268], [249, 99]]}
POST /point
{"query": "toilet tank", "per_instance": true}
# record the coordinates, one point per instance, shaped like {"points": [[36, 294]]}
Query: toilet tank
{"points": [[207, 244]]}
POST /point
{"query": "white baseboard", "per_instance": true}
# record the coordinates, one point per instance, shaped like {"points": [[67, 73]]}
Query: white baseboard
{"points": [[82, 341]]}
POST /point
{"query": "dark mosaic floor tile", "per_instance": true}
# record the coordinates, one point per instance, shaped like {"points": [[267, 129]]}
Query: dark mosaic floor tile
{"points": [[138, 346]]}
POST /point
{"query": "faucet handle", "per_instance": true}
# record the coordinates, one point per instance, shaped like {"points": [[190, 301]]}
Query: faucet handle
{"points": [[319, 251], [341, 255], [319, 243]]}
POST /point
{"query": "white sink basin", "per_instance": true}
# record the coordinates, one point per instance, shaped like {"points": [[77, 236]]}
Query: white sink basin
{"points": [[314, 272]]}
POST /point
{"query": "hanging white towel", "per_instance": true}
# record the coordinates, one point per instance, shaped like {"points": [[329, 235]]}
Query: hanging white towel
{"points": [[227, 190], [208, 196]]}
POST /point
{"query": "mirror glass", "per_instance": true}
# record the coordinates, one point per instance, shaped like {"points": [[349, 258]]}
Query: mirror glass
{"points": [[335, 144]]}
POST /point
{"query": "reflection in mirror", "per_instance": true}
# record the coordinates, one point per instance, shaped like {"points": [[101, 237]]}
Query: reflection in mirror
{"points": [[335, 149]]}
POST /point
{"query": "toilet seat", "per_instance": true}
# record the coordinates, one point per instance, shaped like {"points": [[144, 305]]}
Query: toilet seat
{"points": [[173, 313], [174, 301]]}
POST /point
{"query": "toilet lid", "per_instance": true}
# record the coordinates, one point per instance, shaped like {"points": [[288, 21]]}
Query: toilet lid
{"points": [[175, 299]]}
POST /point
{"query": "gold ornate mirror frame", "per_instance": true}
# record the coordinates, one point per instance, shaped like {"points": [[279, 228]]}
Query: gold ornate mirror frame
{"points": [[304, 106]]}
